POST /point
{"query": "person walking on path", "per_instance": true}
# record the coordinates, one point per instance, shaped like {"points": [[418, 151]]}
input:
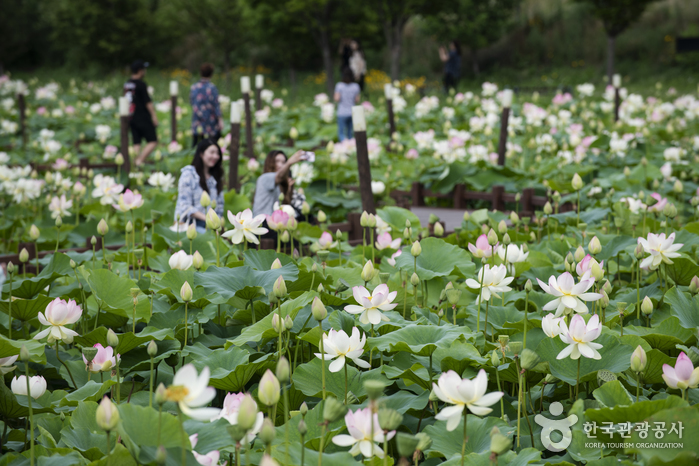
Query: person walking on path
{"points": [[452, 65], [143, 118], [358, 64], [346, 95], [206, 110]]}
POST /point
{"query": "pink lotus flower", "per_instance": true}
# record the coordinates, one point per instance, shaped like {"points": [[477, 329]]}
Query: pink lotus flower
{"points": [[60, 164], [384, 240], [585, 266], [569, 295], [210, 459], [562, 99], [278, 220], [684, 375], [110, 152], [658, 206], [368, 107], [579, 337], [326, 241], [412, 154], [372, 305], [103, 361], [60, 206], [41, 111], [128, 201], [57, 315], [231, 407], [392, 260], [482, 248], [70, 110], [359, 426]]}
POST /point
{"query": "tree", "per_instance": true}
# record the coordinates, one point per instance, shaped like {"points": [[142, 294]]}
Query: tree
{"points": [[616, 15], [476, 24]]}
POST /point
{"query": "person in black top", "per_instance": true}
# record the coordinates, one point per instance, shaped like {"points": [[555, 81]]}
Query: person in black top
{"points": [[143, 118], [452, 65]]}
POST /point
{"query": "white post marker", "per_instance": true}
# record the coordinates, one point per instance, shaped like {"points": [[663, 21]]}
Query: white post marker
{"points": [[235, 112], [616, 80], [245, 84], [174, 88], [507, 95], [123, 106], [388, 91], [259, 81], [358, 120]]}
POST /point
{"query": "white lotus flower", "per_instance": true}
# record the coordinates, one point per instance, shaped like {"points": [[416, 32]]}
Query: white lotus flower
{"points": [[60, 206], [245, 226], [338, 346], [551, 325], [372, 305], [37, 386], [569, 296], [660, 248], [180, 260], [463, 393], [359, 426], [494, 281], [231, 406], [579, 338], [163, 181], [6, 364], [191, 391], [57, 315]]}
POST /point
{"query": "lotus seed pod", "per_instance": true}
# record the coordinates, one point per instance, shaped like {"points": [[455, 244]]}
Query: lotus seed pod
{"points": [[236, 432], [197, 260], [504, 340], [364, 219], [191, 232], [384, 277], [283, 369], [438, 230], [576, 182], [424, 441], [414, 279], [515, 347], [529, 359], [367, 272], [416, 249], [247, 412], [374, 389], [389, 419], [638, 359], [604, 376], [333, 410], [112, 338], [407, 444], [322, 218], [186, 292], [267, 433], [492, 237], [34, 232], [279, 287], [499, 444], [647, 306]]}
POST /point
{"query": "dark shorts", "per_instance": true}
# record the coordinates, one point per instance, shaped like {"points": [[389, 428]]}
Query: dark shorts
{"points": [[143, 130]]}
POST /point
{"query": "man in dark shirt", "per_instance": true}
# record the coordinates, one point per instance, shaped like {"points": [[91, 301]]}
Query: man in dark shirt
{"points": [[452, 65], [143, 118]]}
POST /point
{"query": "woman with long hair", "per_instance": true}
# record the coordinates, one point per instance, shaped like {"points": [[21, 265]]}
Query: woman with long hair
{"points": [[275, 181], [205, 174]]}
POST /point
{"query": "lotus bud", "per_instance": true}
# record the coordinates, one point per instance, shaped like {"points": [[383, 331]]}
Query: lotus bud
{"points": [[276, 323], [322, 218], [677, 187], [389, 419], [247, 412], [119, 159], [406, 233], [283, 369], [24, 257], [318, 309], [34, 232], [467, 216], [191, 232], [107, 415], [294, 133], [416, 249], [647, 306], [492, 237], [604, 300], [197, 260], [514, 218], [112, 338], [438, 229], [277, 264], [333, 410], [694, 285], [93, 241], [406, 443], [494, 359], [314, 268], [548, 210], [288, 323], [371, 223], [186, 292], [24, 354], [424, 441], [556, 196], [528, 286], [529, 359], [532, 236], [364, 218], [320, 288], [576, 182], [59, 221], [502, 227], [302, 428], [305, 208], [607, 287], [368, 271], [129, 227], [269, 388], [515, 347], [213, 222], [638, 359], [267, 433], [279, 288], [506, 239], [330, 146], [303, 409], [285, 236], [102, 228], [338, 235], [205, 200], [414, 279], [499, 444], [579, 254], [670, 210], [160, 394]]}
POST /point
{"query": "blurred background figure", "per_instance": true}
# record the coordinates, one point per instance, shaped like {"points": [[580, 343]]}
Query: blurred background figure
{"points": [[452, 65], [206, 110], [357, 63], [143, 119], [346, 95]]}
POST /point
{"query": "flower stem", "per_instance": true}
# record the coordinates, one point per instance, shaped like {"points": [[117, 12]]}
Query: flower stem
{"points": [[323, 426], [577, 381], [463, 445], [485, 328], [68, 369], [36, 252], [186, 321], [502, 403], [218, 256], [578, 209], [9, 305], [638, 384], [345, 380], [526, 318], [150, 398], [58, 236], [322, 362], [160, 421], [184, 437], [480, 298], [519, 404], [385, 448], [109, 451], [31, 413], [372, 246], [281, 326], [286, 424]]}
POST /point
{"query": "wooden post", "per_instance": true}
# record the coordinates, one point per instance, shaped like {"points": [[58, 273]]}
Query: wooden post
{"points": [[416, 194], [363, 166], [259, 85], [527, 209], [124, 149], [249, 143], [22, 106], [498, 203], [355, 233], [616, 82], [459, 202], [388, 93], [234, 148], [84, 164], [502, 145]]}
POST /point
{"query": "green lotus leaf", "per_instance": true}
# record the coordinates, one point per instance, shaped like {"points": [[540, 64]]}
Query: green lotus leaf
{"points": [[438, 259], [421, 340]]}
